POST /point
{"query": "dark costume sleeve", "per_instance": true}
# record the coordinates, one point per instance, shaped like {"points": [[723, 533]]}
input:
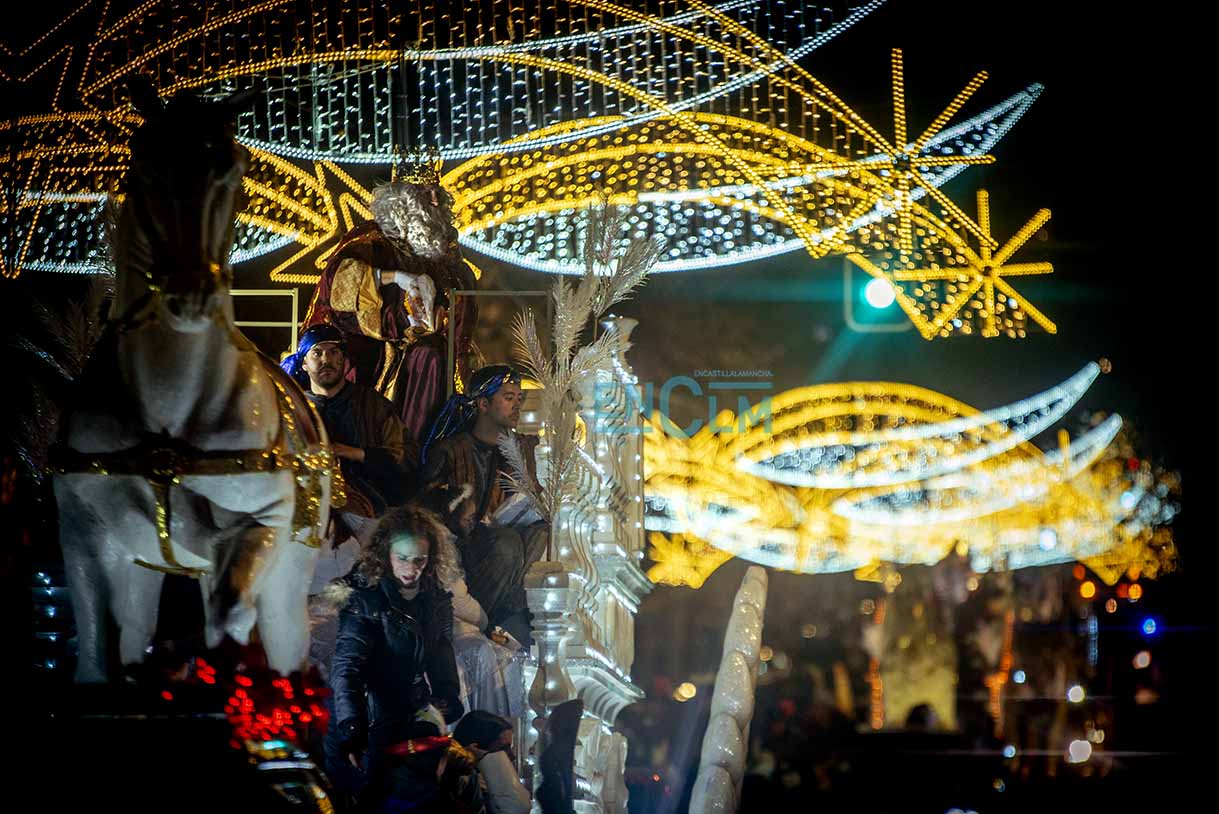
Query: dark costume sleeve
{"points": [[385, 453], [410, 460], [437, 469], [359, 634], [386, 465], [441, 662]]}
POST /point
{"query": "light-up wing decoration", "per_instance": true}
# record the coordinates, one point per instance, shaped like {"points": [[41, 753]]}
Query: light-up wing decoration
{"points": [[904, 476]]}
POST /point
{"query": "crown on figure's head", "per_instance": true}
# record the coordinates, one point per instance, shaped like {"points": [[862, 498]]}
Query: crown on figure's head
{"points": [[418, 166]]}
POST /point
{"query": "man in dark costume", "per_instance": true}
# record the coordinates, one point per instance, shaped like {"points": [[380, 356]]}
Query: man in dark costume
{"points": [[364, 430], [462, 450]]}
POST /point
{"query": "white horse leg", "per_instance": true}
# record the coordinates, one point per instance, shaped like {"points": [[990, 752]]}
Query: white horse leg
{"points": [[136, 593], [283, 599], [81, 536], [213, 623], [221, 618], [242, 560], [261, 574], [240, 622], [283, 614]]}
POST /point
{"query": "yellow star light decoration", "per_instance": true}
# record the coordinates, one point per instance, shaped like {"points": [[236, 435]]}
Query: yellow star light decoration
{"points": [[974, 286], [682, 560], [988, 270], [904, 164]]}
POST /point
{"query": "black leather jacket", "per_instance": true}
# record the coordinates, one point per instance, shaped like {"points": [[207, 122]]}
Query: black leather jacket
{"points": [[386, 645]]}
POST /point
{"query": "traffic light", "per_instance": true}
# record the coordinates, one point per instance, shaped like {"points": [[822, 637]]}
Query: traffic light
{"points": [[869, 304]]}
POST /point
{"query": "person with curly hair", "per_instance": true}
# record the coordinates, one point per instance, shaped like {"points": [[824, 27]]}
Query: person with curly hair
{"points": [[393, 661]]}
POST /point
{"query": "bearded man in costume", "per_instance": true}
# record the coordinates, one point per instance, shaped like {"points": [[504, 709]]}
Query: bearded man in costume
{"points": [[499, 541], [385, 287]]}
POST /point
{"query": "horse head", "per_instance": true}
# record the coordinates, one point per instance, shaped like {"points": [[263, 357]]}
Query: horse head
{"points": [[182, 188]]}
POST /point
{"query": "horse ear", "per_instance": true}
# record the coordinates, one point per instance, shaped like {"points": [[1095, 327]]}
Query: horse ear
{"points": [[144, 96]]}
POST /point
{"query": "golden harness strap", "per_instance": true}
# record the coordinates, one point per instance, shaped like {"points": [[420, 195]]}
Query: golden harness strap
{"points": [[163, 462]]}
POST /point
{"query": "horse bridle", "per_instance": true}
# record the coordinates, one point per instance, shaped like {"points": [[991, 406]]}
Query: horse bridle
{"points": [[146, 310]]}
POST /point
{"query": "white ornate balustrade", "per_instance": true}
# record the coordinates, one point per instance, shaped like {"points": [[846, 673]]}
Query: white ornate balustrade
{"points": [[586, 592]]}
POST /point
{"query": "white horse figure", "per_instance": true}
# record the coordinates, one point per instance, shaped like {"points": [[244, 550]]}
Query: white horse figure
{"points": [[187, 452]]}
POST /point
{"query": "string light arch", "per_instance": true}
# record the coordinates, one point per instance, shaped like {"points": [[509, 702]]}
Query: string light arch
{"points": [[695, 117]]}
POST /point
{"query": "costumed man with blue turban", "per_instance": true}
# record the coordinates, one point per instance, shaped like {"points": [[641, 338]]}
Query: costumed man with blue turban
{"points": [[462, 452], [365, 433]]}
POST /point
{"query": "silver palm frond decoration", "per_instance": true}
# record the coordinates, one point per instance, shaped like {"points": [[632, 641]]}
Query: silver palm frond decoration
{"points": [[611, 273]]}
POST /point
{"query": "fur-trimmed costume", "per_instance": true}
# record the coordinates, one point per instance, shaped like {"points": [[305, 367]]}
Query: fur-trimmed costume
{"points": [[386, 645], [402, 358], [463, 459]]}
